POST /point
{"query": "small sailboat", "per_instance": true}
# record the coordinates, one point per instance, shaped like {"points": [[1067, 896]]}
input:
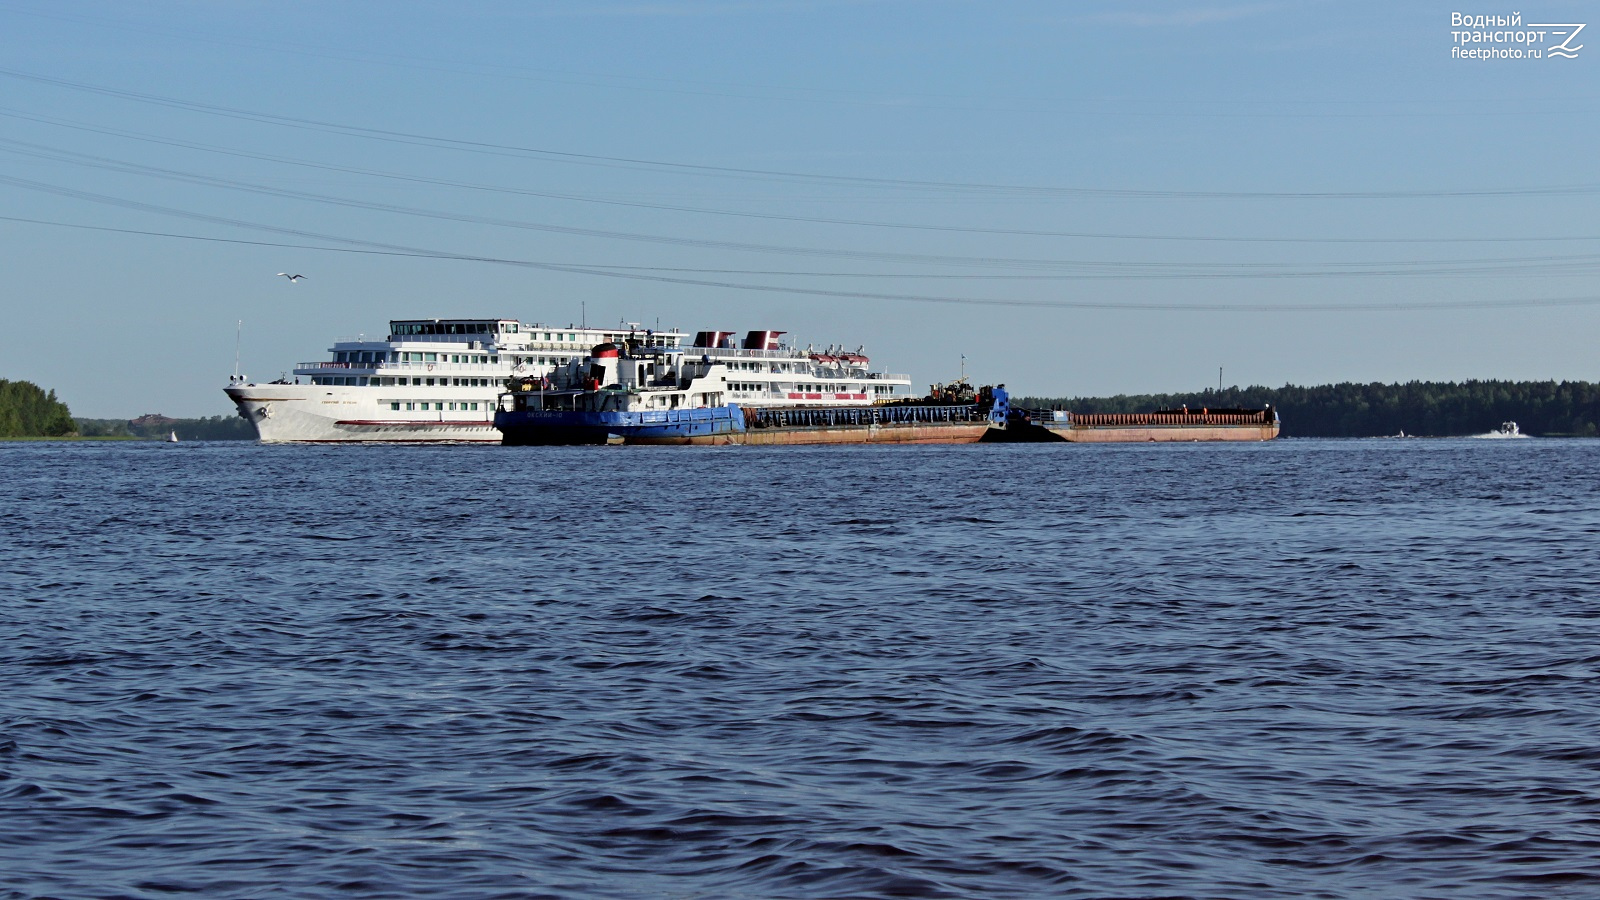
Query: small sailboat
{"points": [[172, 437]]}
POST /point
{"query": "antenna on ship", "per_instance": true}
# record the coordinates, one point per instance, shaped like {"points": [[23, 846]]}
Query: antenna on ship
{"points": [[584, 317], [238, 333], [1219, 379], [963, 367]]}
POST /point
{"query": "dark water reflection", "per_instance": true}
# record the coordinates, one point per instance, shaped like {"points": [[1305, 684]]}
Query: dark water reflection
{"points": [[1302, 669]]}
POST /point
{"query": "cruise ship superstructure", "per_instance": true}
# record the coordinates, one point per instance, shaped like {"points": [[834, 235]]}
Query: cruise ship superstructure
{"points": [[427, 380]]}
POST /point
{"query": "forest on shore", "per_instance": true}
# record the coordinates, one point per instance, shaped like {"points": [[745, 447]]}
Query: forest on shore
{"points": [[27, 410], [1423, 408], [158, 427]]}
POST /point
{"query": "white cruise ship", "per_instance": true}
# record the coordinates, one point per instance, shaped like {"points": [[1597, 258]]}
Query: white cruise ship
{"points": [[428, 380], [440, 379]]}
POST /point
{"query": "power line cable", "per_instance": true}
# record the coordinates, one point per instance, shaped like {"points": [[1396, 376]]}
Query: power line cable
{"points": [[373, 248], [774, 174], [634, 204], [1548, 264]]}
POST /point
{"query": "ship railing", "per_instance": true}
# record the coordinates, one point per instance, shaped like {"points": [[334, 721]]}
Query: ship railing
{"points": [[741, 353], [478, 341], [410, 366], [844, 416]]}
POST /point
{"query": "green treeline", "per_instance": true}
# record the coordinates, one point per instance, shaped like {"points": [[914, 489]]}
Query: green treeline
{"points": [[212, 428], [1427, 408], [26, 410]]}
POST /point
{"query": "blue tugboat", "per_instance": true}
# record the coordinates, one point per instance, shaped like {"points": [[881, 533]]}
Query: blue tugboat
{"points": [[638, 393], [641, 391]]}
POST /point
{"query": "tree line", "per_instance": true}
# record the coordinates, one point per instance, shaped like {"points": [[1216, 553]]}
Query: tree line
{"points": [[27, 410], [1349, 409], [205, 428]]}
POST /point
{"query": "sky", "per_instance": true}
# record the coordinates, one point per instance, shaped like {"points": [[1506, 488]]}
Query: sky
{"points": [[1071, 198]]}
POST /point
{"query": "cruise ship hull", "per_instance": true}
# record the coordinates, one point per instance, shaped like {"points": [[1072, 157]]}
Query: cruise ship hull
{"points": [[290, 413]]}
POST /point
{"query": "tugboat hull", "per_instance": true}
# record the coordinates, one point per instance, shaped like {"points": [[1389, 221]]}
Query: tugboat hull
{"points": [[716, 425], [754, 427]]}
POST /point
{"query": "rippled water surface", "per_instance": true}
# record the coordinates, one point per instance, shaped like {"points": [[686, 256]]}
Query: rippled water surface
{"points": [[1299, 669]]}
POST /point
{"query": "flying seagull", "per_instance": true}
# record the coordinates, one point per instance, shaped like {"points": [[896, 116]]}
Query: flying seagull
{"points": [[292, 278]]}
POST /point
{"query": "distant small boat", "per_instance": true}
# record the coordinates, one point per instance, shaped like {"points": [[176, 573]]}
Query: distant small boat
{"points": [[172, 437], [1506, 430]]}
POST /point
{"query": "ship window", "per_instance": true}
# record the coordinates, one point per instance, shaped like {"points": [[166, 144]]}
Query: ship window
{"points": [[430, 357], [474, 406], [395, 405], [494, 359], [409, 406]]}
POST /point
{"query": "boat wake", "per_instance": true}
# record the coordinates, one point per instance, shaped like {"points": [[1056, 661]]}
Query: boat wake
{"points": [[1506, 430]]}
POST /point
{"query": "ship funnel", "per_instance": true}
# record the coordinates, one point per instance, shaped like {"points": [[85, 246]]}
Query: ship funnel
{"points": [[762, 340], [603, 366]]}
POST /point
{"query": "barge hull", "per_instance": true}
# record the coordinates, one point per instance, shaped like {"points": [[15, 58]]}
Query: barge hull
{"points": [[1138, 434], [1163, 426], [923, 433]]}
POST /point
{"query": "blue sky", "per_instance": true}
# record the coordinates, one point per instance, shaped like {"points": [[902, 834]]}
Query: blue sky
{"points": [[1082, 198]]}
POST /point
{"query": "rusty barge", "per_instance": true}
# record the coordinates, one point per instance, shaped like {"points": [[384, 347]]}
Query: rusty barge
{"points": [[1162, 425]]}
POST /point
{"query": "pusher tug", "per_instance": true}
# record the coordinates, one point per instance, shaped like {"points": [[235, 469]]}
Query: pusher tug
{"points": [[762, 392]]}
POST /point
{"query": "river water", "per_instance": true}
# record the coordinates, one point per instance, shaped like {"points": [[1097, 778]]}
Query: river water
{"points": [[1297, 669]]}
